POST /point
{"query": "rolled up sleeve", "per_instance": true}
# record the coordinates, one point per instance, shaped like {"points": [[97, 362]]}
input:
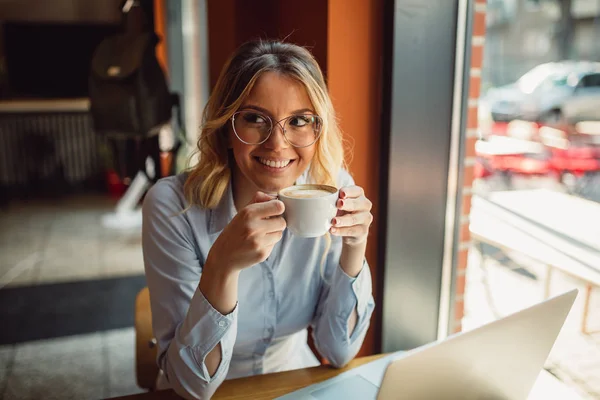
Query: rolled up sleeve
{"points": [[186, 326], [340, 296], [202, 330]]}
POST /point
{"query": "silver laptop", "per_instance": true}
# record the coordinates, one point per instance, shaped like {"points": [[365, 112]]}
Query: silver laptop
{"points": [[498, 361]]}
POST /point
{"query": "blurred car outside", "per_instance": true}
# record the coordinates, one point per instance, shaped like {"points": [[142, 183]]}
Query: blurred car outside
{"points": [[549, 93], [570, 153]]}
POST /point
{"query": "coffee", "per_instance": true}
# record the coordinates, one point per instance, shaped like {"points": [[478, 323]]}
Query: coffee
{"points": [[307, 193], [309, 209]]}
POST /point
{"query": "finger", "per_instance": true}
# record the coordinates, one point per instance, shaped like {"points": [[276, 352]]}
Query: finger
{"points": [[272, 238], [350, 231], [267, 209], [358, 218], [351, 204], [273, 224], [351, 192], [261, 197]]}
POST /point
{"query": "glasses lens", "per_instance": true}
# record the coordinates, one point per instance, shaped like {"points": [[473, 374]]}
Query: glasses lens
{"points": [[251, 127], [303, 130]]}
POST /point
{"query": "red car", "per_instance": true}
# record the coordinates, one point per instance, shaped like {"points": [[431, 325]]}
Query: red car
{"points": [[571, 153]]}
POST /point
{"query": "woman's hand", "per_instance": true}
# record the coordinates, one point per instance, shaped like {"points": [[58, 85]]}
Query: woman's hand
{"points": [[354, 216], [251, 235]]}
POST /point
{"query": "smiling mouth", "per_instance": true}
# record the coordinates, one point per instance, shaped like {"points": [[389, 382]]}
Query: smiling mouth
{"points": [[278, 164]]}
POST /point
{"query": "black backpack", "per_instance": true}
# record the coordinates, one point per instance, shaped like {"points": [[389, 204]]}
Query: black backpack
{"points": [[129, 96]]}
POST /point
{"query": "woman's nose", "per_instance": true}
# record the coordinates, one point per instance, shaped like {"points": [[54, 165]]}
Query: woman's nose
{"points": [[277, 139]]}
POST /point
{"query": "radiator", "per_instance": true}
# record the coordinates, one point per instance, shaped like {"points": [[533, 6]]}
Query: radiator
{"points": [[42, 146]]}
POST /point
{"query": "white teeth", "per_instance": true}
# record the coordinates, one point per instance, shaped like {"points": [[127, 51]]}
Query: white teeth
{"points": [[274, 164]]}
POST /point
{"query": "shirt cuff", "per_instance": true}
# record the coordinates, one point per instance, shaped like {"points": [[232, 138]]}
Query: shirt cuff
{"points": [[352, 292], [204, 328]]}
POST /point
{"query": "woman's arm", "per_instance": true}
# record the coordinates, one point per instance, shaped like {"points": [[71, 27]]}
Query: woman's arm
{"points": [[346, 301], [344, 310], [220, 287], [194, 313], [195, 331], [351, 261]]}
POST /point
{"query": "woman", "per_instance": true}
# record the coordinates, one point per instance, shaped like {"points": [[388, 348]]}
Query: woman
{"points": [[232, 291]]}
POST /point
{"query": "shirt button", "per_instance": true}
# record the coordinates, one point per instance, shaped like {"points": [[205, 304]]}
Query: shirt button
{"points": [[270, 275], [271, 294], [221, 323], [270, 331]]}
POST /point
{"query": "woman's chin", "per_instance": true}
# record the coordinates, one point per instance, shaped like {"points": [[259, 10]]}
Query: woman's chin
{"points": [[269, 183]]}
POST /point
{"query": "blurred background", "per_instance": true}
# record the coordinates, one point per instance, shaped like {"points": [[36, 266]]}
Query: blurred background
{"points": [[535, 216], [526, 195]]}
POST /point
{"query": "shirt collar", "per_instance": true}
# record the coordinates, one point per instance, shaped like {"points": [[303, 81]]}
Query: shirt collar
{"points": [[223, 213]]}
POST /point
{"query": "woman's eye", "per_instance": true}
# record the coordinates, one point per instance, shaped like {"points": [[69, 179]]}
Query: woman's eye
{"points": [[255, 118], [300, 120]]}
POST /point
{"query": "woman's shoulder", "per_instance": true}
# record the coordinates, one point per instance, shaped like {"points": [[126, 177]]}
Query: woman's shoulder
{"points": [[169, 186], [167, 193]]}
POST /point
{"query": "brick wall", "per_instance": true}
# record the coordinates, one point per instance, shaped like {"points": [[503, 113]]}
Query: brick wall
{"points": [[477, 44]]}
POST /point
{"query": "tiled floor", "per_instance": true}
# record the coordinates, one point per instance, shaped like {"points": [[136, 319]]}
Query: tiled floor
{"points": [[63, 241], [90, 366]]}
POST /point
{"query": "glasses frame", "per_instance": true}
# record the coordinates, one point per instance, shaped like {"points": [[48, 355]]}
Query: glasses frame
{"points": [[282, 126]]}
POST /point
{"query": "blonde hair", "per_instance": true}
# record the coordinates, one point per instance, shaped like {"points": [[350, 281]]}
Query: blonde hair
{"points": [[207, 181]]}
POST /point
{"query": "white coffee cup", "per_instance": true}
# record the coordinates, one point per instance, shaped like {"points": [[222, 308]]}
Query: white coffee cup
{"points": [[309, 209]]}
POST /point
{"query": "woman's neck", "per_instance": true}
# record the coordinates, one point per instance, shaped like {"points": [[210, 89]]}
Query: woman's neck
{"points": [[243, 190]]}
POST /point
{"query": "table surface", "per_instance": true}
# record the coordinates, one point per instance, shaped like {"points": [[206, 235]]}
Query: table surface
{"points": [[267, 386], [270, 386]]}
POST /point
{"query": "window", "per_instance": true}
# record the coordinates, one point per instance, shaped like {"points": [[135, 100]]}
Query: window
{"points": [[591, 80]]}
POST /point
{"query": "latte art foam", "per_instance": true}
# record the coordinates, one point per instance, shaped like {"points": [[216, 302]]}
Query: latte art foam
{"points": [[307, 193]]}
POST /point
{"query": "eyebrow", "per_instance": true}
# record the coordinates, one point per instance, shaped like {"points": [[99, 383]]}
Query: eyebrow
{"points": [[264, 110]]}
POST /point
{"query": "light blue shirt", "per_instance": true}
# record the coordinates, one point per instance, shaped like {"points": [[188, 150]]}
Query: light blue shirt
{"points": [[277, 299]]}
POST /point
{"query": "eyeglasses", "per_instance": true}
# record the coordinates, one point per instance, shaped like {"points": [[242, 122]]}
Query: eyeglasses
{"points": [[252, 127]]}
